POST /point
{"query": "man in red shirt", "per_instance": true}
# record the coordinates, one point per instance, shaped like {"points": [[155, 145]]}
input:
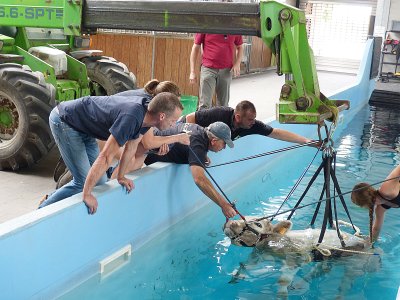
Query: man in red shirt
{"points": [[222, 55]]}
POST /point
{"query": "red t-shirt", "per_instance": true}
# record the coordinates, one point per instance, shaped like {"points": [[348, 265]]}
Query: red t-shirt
{"points": [[218, 49]]}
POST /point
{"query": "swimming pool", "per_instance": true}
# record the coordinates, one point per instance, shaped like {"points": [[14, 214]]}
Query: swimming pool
{"points": [[194, 260], [47, 252]]}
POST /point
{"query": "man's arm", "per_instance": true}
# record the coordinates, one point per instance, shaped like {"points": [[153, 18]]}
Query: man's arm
{"points": [[127, 158], [288, 136], [191, 118], [208, 189], [238, 60], [193, 59], [97, 170], [150, 141]]}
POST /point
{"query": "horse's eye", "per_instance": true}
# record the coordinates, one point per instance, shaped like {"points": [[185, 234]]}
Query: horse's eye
{"points": [[258, 224]]}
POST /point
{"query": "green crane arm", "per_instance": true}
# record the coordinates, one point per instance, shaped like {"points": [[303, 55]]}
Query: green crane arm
{"points": [[284, 31]]}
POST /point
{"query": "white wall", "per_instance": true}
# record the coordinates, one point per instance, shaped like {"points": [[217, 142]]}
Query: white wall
{"points": [[394, 12]]}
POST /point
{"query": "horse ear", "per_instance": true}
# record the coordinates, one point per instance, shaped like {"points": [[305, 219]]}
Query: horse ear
{"points": [[283, 227]]}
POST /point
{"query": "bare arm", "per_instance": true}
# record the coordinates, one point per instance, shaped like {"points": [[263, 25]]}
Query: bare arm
{"points": [[378, 221], [193, 59], [238, 60], [208, 189], [127, 157], [390, 189], [151, 141], [99, 167], [191, 118], [288, 136]]}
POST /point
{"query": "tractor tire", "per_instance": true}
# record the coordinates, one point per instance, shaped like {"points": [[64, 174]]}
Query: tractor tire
{"points": [[108, 76], [25, 104]]}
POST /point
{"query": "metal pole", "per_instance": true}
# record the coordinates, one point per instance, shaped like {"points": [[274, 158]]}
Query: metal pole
{"points": [[173, 16]]}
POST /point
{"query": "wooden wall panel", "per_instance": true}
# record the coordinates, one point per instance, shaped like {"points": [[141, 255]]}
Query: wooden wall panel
{"points": [[171, 57], [160, 59], [260, 57], [133, 56]]}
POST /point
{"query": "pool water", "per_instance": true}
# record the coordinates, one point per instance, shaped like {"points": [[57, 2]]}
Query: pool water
{"points": [[194, 260]]}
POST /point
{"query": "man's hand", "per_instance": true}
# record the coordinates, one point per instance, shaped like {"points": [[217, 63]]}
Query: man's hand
{"points": [[164, 149], [127, 183], [91, 203], [235, 70], [317, 143], [228, 210], [184, 138], [192, 77]]}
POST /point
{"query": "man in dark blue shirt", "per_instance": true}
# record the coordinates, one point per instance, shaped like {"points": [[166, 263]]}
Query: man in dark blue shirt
{"points": [[120, 121]]}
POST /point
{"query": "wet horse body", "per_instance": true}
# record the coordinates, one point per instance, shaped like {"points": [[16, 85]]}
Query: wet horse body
{"points": [[294, 248]]}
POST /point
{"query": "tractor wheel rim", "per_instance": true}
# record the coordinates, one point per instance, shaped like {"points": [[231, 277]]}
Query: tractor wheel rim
{"points": [[9, 119]]}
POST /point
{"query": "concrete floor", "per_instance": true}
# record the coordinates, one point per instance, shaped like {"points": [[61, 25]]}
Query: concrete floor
{"points": [[21, 192]]}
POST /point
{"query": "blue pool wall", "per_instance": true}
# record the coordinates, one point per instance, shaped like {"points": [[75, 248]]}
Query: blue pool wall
{"points": [[47, 252]]}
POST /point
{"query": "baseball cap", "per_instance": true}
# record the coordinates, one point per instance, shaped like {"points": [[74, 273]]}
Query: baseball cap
{"points": [[221, 131]]}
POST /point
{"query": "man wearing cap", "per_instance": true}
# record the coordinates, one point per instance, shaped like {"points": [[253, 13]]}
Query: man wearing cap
{"points": [[213, 138]]}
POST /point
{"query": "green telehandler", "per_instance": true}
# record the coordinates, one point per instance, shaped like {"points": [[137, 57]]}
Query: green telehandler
{"points": [[44, 59]]}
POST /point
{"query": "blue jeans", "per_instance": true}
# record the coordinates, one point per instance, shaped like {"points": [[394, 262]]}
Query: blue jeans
{"points": [[78, 150]]}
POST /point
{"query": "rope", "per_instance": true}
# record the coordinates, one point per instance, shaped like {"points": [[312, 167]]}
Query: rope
{"points": [[298, 181], [217, 185], [323, 200], [327, 252], [264, 154]]}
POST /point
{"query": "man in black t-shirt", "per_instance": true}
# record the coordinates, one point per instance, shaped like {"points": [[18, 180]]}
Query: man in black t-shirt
{"points": [[120, 121], [242, 121], [213, 138]]}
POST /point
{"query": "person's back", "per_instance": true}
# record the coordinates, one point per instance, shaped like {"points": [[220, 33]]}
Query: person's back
{"points": [[100, 116], [241, 121]]}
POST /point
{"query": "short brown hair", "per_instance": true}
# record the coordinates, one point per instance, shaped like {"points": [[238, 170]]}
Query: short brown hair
{"points": [[164, 102], [244, 106], [154, 87]]}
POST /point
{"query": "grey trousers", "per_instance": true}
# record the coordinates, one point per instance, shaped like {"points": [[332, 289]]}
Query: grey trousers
{"points": [[214, 80]]}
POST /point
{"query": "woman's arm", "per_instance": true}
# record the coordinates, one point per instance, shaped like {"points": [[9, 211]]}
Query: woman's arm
{"points": [[378, 221], [390, 189]]}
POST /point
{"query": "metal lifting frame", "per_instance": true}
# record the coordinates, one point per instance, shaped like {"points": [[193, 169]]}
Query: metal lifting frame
{"points": [[328, 164]]}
